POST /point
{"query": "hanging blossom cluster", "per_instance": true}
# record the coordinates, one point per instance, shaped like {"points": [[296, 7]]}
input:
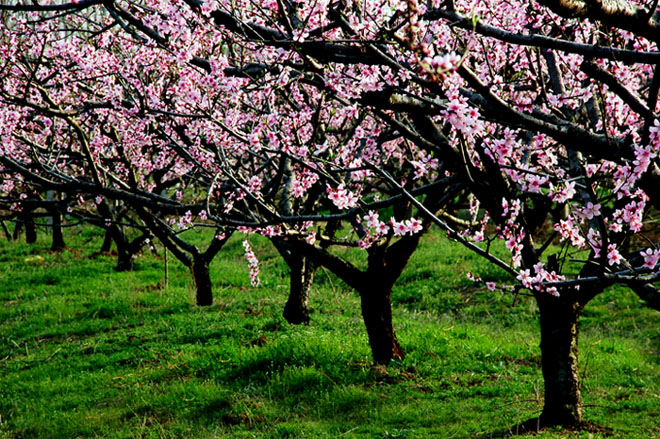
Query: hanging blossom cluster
{"points": [[253, 263]]}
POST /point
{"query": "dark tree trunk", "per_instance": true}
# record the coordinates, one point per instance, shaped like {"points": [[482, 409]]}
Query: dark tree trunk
{"points": [[377, 315], [202, 280], [296, 310], [559, 361], [6, 230], [107, 241], [58, 238], [124, 260], [18, 228], [30, 229], [124, 256]]}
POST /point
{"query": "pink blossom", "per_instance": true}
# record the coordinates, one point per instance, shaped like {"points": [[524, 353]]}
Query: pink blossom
{"points": [[562, 193], [342, 198], [650, 258], [591, 210], [413, 226], [254, 184], [185, 221], [382, 228], [253, 263], [613, 255], [444, 63], [372, 219], [525, 278], [473, 277], [399, 228]]}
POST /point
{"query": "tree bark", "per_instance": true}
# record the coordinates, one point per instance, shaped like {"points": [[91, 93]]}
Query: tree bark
{"points": [[377, 316], [6, 230], [18, 228], [58, 237], [559, 361], [124, 260], [107, 241], [124, 256], [30, 229], [648, 293], [296, 310], [202, 280]]}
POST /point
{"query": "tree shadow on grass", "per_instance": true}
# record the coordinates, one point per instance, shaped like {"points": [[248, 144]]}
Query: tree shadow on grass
{"points": [[535, 426]]}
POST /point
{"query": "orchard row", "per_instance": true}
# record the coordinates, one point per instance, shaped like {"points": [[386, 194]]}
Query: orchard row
{"points": [[326, 124]]}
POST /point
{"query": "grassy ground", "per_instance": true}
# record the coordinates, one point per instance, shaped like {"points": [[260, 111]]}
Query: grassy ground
{"points": [[86, 352]]}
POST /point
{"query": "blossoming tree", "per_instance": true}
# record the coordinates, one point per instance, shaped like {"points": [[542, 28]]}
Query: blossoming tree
{"points": [[545, 111]]}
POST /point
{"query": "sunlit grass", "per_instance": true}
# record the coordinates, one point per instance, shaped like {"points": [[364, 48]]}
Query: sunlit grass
{"points": [[89, 352]]}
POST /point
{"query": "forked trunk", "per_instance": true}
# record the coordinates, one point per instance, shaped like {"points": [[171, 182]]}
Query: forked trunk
{"points": [[296, 310], [377, 315], [202, 280], [559, 361]]}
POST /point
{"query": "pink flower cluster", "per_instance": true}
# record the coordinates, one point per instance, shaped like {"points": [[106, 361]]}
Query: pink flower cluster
{"points": [[441, 64], [185, 222], [541, 276], [650, 258], [378, 228], [253, 262], [342, 198], [409, 226], [569, 231]]}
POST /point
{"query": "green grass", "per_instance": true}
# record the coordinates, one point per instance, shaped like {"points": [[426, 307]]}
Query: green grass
{"points": [[86, 352]]}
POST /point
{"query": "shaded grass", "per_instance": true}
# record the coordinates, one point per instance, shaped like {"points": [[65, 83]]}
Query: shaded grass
{"points": [[88, 352]]}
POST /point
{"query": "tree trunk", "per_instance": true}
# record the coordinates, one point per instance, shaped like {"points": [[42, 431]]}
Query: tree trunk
{"points": [[30, 229], [202, 280], [58, 238], [124, 260], [377, 315], [559, 361], [18, 228], [6, 230], [107, 241], [296, 310]]}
